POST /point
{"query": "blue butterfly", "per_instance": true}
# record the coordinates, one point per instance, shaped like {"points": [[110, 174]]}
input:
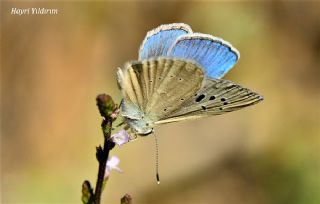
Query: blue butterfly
{"points": [[178, 77]]}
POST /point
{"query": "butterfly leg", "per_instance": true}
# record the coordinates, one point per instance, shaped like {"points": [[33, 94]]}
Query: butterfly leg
{"points": [[133, 136], [120, 124], [120, 104]]}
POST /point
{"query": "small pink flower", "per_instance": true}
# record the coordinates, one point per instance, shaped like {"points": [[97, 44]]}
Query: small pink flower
{"points": [[112, 164], [120, 137]]}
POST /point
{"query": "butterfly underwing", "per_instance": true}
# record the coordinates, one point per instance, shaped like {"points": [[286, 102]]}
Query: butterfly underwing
{"points": [[163, 90]]}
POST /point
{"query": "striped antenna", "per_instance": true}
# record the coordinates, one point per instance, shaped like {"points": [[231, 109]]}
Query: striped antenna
{"points": [[157, 158]]}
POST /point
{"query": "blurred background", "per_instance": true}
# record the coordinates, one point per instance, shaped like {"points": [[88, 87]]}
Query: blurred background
{"points": [[54, 66]]}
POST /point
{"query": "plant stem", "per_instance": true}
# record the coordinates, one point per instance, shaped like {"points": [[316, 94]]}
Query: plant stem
{"points": [[107, 109], [102, 156]]}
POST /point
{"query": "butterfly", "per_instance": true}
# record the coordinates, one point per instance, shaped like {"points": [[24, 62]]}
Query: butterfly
{"points": [[178, 77]]}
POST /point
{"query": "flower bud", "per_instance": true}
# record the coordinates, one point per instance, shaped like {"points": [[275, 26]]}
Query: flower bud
{"points": [[106, 105], [126, 199], [87, 192]]}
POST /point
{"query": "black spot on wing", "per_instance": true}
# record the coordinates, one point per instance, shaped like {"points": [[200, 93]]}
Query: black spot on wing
{"points": [[200, 98], [212, 98]]}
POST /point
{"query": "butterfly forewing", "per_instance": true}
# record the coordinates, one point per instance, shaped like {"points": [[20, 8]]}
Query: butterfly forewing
{"points": [[176, 81], [216, 97], [157, 87]]}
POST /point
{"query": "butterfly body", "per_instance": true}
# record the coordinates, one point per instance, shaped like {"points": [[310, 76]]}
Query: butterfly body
{"points": [[177, 78]]}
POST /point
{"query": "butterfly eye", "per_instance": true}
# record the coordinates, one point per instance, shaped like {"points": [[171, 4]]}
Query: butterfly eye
{"points": [[223, 99], [212, 98], [225, 103]]}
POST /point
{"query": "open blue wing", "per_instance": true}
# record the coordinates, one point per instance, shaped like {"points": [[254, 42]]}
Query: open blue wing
{"points": [[158, 41], [215, 55]]}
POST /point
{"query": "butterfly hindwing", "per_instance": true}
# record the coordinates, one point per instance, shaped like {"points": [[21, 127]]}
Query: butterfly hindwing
{"points": [[158, 41], [215, 55], [216, 97]]}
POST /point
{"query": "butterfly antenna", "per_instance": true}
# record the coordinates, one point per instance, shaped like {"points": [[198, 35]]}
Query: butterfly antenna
{"points": [[157, 158]]}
